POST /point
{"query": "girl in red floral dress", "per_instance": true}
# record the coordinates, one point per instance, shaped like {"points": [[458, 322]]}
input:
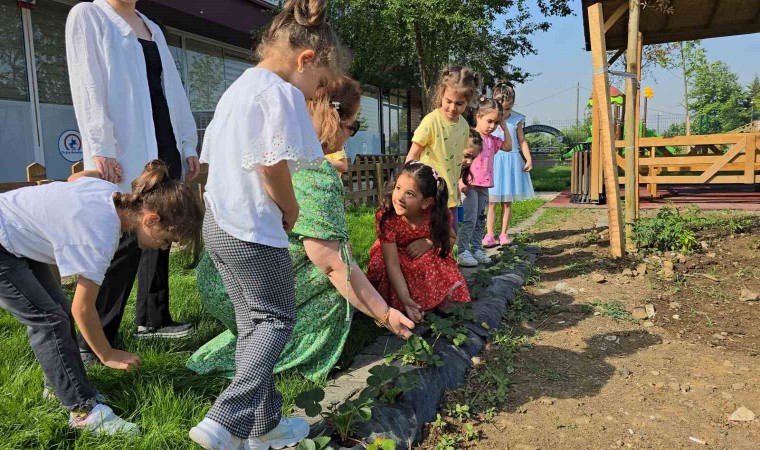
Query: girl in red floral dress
{"points": [[410, 264]]}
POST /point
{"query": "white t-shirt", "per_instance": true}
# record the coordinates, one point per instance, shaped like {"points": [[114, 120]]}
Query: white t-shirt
{"points": [[73, 225], [259, 121]]}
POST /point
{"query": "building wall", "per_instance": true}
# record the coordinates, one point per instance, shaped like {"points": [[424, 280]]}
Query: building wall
{"points": [[37, 121]]}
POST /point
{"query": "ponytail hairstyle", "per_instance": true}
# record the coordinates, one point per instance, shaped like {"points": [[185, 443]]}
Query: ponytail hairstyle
{"points": [[486, 105], [331, 107], [432, 186], [475, 141], [458, 78], [302, 24], [504, 91], [175, 203]]}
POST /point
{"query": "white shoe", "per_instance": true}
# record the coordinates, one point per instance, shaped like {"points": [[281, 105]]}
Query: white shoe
{"points": [[481, 257], [210, 435], [288, 433], [465, 259], [102, 421]]}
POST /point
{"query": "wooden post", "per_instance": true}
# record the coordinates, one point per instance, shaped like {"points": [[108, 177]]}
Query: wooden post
{"points": [[631, 122], [596, 152], [637, 153], [379, 182], [750, 153], [606, 141], [35, 172], [77, 167]]}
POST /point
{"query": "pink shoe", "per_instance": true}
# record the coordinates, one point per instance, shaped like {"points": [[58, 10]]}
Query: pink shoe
{"points": [[504, 239], [489, 241]]}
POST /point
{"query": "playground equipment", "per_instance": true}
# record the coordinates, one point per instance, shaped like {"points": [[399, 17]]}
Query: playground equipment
{"points": [[706, 159]]}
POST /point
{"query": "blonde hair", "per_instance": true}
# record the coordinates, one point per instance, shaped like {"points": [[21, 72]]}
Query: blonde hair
{"points": [[504, 92], [457, 78], [333, 104], [176, 204], [302, 24]]}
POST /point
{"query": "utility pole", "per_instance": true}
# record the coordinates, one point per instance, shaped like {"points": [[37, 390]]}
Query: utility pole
{"points": [[577, 104]]}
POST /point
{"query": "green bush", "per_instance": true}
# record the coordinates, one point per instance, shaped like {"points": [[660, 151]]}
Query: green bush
{"points": [[670, 229]]}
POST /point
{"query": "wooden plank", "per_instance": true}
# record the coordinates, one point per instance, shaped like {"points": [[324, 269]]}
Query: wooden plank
{"points": [[78, 167], [596, 180], [728, 157], [690, 179], [637, 153], [607, 139], [613, 19], [631, 124], [750, 156], [616, 56], [35, 172], [5, 187], [705, 139]]}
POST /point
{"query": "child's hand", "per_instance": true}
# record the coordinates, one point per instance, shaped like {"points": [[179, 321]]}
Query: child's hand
{"points": [[413, 312], [419, 247], [400, 324], [463, 187], [121, 360], [118, 173], [528, 166], [289, 219]]}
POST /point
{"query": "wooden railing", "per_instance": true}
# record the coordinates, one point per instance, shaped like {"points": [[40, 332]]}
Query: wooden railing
{"points": [[697, 159]]}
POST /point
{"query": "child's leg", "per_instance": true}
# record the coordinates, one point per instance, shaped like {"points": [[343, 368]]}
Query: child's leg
{"points": [[476, 241], [260, 283], [491, 218], [30, 293], [470, 205], [506, 216]]}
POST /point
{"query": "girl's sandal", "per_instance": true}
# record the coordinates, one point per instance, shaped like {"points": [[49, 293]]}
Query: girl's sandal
{"points": [[504, 239]]}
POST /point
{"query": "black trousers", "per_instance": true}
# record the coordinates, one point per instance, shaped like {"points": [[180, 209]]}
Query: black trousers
{"points": [[150, 267]]}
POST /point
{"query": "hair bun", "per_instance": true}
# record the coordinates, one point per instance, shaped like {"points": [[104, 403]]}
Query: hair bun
{"points": [[307, 13]]}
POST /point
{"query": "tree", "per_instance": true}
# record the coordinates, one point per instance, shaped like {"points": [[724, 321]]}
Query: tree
{"points": [[686, 57], [398, 43], [718, 99], [753, 92]]}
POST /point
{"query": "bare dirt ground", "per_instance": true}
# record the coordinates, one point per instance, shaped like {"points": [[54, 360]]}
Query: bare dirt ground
{"points": [[583, 364]]}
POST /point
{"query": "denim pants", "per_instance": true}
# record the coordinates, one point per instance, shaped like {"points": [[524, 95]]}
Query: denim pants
{"points": [[472, 227], [30, 292]]}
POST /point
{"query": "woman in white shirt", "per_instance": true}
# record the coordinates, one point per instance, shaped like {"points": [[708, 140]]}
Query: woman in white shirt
{"points": [[131, 108], [77, 226]]}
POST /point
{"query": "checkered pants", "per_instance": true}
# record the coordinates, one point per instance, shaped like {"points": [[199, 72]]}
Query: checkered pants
{"points": [[259, 280]]}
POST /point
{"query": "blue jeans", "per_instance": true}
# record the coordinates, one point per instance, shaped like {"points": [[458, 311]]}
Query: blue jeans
{"points": [[473, 226], [30, 292]]}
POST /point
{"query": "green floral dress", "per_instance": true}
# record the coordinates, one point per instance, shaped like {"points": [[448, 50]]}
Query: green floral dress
{"points": [[323, 315]]}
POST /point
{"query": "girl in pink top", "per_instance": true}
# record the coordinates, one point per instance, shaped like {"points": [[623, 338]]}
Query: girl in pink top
{"points": [[475, 186]]}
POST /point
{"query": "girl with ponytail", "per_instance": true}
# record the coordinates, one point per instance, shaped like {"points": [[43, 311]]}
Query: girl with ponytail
{"points": [[260, 136], [411, 264], [77, 226]]}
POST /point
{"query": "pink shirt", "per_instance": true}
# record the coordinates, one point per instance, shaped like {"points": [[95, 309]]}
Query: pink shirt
{"points": [[482, 166]]}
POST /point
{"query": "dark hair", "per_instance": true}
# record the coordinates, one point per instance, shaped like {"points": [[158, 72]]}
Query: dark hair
{"points": [[333, 104], [475, 141], [457, 78], [486, 105], [504, 91], [303, 24], [432, 186], [176, 204]]}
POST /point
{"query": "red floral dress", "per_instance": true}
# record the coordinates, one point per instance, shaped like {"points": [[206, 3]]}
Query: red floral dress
{"points": [[432, 280]]}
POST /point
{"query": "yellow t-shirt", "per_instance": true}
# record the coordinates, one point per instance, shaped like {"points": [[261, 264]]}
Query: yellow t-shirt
{"points": [[443, 145], [337, 156]]}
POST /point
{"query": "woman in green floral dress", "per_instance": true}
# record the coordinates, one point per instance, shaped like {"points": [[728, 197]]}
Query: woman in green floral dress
{"points": [[325, 273]]}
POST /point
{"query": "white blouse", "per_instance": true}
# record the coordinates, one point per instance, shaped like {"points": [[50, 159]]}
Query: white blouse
{"points": [[259, 121], [109, 89]]}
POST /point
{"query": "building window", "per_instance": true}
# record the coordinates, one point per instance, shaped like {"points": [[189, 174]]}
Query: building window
{"points": [[234, 65], [16, 128], [205, 64], [367, 140], [175, 47]]}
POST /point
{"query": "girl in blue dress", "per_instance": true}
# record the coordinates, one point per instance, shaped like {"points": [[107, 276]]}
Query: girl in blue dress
{"points": [[511, 178]]}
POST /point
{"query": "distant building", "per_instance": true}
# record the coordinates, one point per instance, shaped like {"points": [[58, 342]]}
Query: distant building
{"points": [[210, 41]]}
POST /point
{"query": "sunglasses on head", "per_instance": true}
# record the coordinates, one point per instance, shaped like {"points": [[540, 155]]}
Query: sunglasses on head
{"points": [[354, 127]]}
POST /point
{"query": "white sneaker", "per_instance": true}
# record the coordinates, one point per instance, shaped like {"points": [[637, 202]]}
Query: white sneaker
{"points": [[102, 421], [288, 433], [210, 435], [481, 257], [465, 259]]}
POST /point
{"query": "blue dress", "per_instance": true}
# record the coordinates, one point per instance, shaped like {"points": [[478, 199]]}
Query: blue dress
{"points": [[510, 183]]}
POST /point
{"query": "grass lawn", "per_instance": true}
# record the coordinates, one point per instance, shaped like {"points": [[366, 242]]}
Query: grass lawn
{"points": [[550, 179], [163, 397]]}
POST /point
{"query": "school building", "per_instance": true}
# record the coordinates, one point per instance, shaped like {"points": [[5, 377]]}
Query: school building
{"points": [[210, 41]]}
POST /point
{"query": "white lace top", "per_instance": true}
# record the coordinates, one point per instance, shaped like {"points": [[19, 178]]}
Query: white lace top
{"points": [[259, 121]]}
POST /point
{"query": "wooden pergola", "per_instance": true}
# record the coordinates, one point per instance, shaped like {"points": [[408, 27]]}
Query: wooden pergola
{"points": [[704, 159]]}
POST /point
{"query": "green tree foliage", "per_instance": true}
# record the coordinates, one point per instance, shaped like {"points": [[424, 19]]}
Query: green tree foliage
{"points": [[718, 98], [398, 43], [753, 93]]}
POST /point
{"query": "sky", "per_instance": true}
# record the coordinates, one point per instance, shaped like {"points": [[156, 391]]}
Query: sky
{"points": [[562, 62]]}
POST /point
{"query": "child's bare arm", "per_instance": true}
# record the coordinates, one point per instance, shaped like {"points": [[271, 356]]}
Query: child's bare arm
{"points": [[279, 186], [96, 174], [507, 144], [524, 148], [415, 151], [398, 282], [341, 165]]}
